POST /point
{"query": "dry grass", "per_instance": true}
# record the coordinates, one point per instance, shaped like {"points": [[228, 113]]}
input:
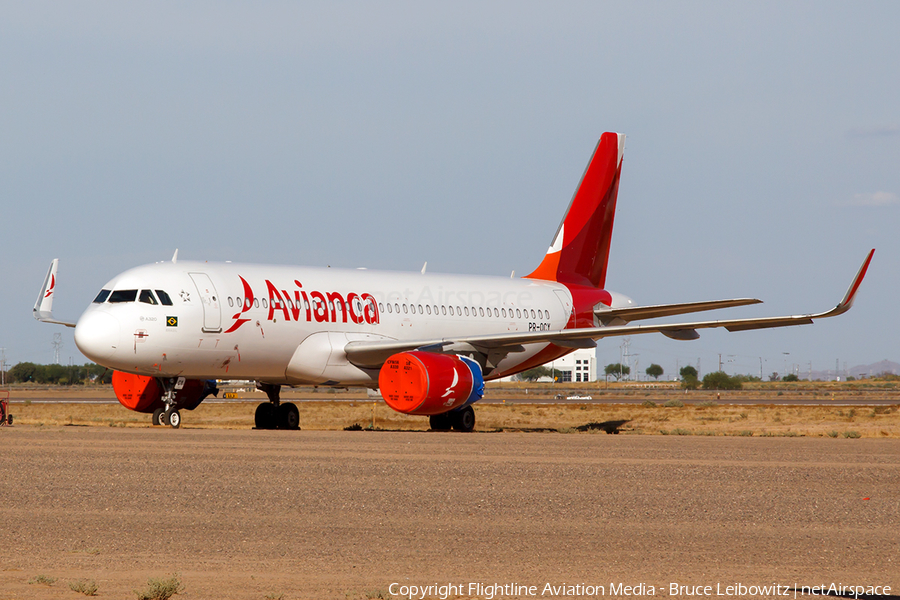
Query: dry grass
{"points": [[695, 418], [160, 589]]}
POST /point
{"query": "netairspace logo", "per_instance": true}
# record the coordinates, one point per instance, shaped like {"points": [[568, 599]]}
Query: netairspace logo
{"points": [[492, 591]]}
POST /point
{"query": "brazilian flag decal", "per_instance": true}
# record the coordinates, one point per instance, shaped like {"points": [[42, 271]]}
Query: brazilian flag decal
{"points": [[171, 321]]}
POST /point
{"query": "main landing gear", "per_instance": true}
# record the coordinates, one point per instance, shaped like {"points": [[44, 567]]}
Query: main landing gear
{"points": [[276, 414], [462, 419]]}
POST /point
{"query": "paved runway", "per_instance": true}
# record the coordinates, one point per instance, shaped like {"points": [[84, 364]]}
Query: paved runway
{"points": [[251, 514]]}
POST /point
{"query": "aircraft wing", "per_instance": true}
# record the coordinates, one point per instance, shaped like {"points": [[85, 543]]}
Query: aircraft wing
{"points": [[43, 307], [373, 354], [620, 316]]}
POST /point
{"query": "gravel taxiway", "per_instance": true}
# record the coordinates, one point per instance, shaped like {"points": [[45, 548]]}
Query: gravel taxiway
{"points": [[323, 514]]}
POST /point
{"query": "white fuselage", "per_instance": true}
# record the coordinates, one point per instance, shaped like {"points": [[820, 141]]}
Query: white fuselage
{"points": [[193, 319]]}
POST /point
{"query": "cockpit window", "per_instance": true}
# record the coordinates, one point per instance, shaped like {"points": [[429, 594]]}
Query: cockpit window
{"points": [[123, 296], [102, 296], [164, 298], [147, 297]]}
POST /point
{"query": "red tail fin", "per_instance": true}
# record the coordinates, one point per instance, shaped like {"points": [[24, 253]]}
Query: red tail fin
{"points": [[580, 250]]}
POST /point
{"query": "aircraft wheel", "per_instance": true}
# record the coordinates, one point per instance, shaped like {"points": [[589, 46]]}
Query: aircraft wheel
{"points": [[441, 422], [9, 419], [173, 418], [288, 416], [158, 416], [265, 416], [463, 419]]}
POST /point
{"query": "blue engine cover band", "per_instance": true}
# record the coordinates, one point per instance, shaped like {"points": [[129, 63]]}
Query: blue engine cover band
{"points": [[477, 382]]}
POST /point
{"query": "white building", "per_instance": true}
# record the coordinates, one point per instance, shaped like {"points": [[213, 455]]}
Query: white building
{"points": [[577, 367]]}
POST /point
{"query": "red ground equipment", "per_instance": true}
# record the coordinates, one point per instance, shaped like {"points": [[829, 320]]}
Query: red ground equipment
{"points": [[5, 417]]}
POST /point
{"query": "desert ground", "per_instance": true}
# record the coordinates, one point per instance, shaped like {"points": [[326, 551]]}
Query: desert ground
{"points": [[819, 410], [245, 514]]}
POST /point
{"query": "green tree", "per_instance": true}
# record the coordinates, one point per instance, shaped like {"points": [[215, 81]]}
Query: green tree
{"points": [[534, 374], [689, 378], [790, 377], [59, 374], [22, 372], [720, 380], [617, 370], [654, 371], [688, 371]]}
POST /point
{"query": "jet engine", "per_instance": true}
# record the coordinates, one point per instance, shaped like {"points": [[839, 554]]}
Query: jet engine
{"points": [[424, 383], [143, 394]]}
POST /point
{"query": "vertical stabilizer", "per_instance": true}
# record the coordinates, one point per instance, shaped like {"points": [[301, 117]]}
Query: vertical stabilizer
{"points": [[580, 251]]}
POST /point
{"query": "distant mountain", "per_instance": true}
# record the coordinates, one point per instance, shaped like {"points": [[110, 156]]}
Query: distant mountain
{"points": [[859, 371], [885, 366]]}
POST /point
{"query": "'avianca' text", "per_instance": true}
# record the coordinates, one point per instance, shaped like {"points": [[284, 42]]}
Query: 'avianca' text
{"points": [[321, 307]]}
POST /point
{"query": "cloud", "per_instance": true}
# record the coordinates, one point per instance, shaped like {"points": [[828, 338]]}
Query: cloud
{"points": [[877, 131], [875, 199]]}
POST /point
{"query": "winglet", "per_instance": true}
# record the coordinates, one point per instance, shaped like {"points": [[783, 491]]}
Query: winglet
{"points": [[43, 307], [847, 302]]}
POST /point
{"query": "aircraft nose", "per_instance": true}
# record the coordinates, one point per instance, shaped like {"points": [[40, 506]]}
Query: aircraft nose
{"points": [[97, 335]]}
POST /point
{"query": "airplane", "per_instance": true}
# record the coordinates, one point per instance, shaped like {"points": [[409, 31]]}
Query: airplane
{"points": [[427, 341]]}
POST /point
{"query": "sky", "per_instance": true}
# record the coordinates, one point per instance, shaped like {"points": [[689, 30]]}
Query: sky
{"points": [[762, 157]]}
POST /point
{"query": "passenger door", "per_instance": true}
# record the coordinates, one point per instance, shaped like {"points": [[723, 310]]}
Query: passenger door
{"points": [[212, 311]]}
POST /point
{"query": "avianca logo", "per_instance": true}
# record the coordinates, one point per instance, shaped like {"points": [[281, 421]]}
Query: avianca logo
{"points": [[321, 307], [52, 285]]}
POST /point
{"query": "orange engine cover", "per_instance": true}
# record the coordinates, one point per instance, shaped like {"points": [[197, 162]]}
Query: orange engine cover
{"points": [[423, 383], [140, 393]]}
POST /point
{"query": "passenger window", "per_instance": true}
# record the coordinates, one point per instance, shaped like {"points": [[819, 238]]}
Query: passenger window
{"points": [[503, 312], [239, 302], [265, 303], [443, 310], [428, 308], [467, 310], [480, 311], [123, 296], [381, 307], [405, 309], [420, 310], [518, 314], [256, 303], [163, 298], [451, 311], [230, 302], [102, 296]]}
